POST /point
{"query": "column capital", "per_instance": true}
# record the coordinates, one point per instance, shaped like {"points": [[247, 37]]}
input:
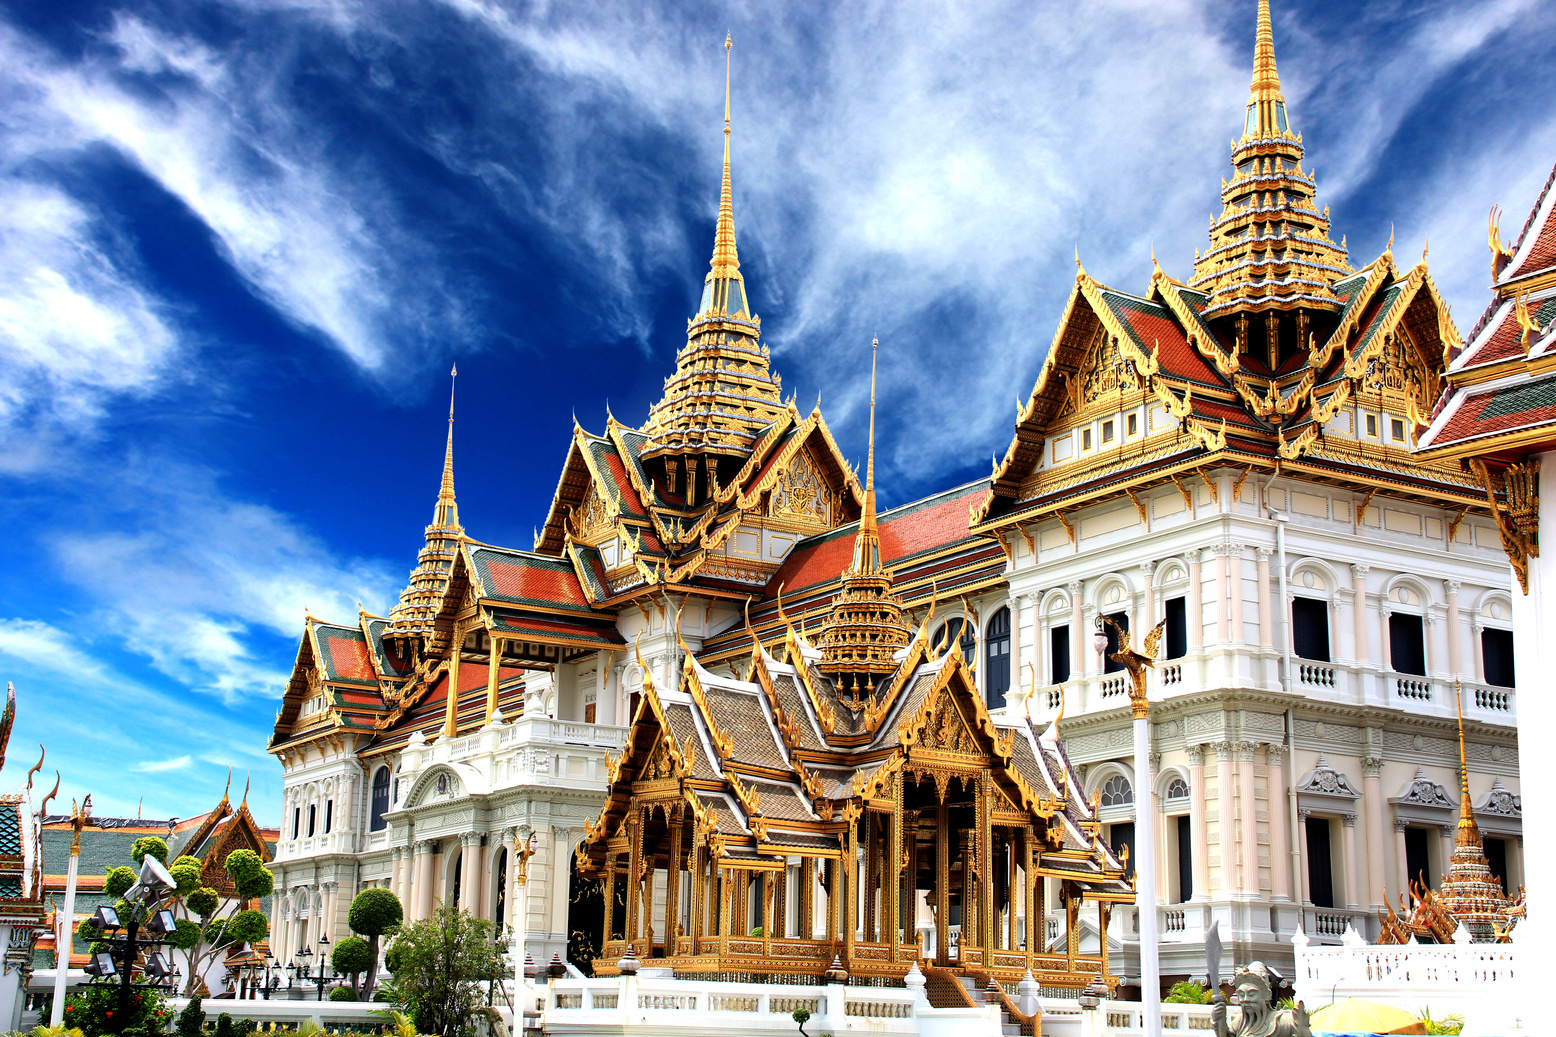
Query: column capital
{"points": [[1245, 751], [1302, 813], [1263, 554], [1274, 755], [1359, 572], [1451, 587], [1400, 824], [1155, 760], [1224, 751], [1075, 587], [1372, 766], [1147, 569], [1349, 819], [1447, 831], [426, 845], [1196, 754]]}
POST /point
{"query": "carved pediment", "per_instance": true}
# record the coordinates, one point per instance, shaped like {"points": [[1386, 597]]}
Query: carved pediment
{"points": [[801, 493], [1424, 792], [946, 731]]}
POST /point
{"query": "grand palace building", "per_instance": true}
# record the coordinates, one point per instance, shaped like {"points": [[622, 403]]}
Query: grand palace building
{"points": [[752, 725]]}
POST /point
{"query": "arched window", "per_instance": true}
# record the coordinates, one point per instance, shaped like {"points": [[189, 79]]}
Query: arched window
{"points": [[996, 654], [956, 629], [380, 800], [1177, 788], [1117, 792]]}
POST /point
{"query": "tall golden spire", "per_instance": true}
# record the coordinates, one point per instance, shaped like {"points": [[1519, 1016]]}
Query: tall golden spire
{"points": [[1469, 831], [864, 630], [1269, 249], [723, 393], [412, 614]]}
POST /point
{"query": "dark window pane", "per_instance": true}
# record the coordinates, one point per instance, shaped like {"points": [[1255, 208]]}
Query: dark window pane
{"points": [[1177, 628], [329, 815], [313, 813], [380, 800], [1496, 857], [1418, 857], [297, 822], [1496, 647], [1058, 655], [1122, 835], [1121, 619], [996, 652], [1310, 629], [1185, 859], [1407, 646], [1320, 873]]}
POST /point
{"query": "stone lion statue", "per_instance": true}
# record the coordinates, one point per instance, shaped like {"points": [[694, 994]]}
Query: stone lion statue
{"points": [[1252, 1014]]}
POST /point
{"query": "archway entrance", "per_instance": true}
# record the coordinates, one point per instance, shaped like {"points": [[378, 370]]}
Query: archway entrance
{"points": [[585, 919]]}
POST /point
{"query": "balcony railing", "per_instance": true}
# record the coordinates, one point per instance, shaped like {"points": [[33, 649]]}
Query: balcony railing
{"points": [[1314, 675], [1495, 700], [1413, 689]]}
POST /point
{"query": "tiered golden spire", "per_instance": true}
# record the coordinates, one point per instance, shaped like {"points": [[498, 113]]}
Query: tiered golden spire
{"points": [[1269, 247], [865, 629], [722, 393], [412, 614], [1469, 891]]}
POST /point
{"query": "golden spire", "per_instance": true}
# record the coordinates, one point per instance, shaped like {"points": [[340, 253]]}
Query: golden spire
{"points": [[1469, 832], [868, 521], [724, 297], [447, 512]]}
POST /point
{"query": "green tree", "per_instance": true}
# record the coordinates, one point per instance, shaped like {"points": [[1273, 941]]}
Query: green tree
{"points": [[352, 957], [202, 934], [191, 1021], [373, 913], [441, 963], [148, 844]]}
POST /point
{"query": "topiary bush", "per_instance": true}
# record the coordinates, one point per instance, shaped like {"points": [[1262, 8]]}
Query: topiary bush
{"points": [[148, 844], [373, 913], [343, 994], [224, 1025], [351, 957], [118, 881], [186, 872], [191, 1021]]}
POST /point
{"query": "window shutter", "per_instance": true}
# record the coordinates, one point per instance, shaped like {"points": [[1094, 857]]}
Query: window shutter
{"points": [[1310, 629], [1059, 654], [1177, 628], [1407, 646], [1497, 652]]}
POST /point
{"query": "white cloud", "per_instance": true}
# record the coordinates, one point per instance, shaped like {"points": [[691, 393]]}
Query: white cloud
{"points": [[178, 763], [192, 578]]}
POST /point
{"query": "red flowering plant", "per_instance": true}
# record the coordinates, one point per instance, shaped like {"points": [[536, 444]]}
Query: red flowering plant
{"points": [[93, 1009]]}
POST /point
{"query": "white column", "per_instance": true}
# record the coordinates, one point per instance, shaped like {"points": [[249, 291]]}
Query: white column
{"points": [[609, 682], [1078, 636], [1145, 876], [1302, 857], [1147, 599], [1195, 606], [1235, 566], [1352, 864], [1266, 626], [1279, 821], [1248, 819], [1226, 813], [1362, 654], [1017, 685], [1200, 849], [64, 937], [1373, 806], [1401, 864], [1455, 630], [1223, 601]]}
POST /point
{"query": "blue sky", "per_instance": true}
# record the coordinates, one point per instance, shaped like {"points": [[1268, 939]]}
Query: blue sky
{"points": [[242, 241]]}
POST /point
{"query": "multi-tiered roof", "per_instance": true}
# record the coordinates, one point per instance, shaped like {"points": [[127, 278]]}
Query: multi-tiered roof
{"points": [[411, 617]]}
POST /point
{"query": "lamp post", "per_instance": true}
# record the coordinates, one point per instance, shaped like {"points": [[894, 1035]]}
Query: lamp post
{"points": [[1145, 815], [523, 850], [64, 942]]}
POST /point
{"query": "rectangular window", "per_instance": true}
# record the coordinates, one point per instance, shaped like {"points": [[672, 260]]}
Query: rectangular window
{"points": [[1132, 425], [1418, 857], [1085, 439], [1310, 629], [1120, 836], [1177, 628], [1107, 431], [589, 712], [1397, 430], [1185, 859], [1496, 652], [1407, 645], [1320, 872], [1372, 426], [313, 813], [297, 822], [1122, 621], [329, 815], [1496, 857], [1059, 654]]}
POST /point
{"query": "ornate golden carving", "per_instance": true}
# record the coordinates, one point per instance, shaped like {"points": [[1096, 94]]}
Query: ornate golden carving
{"points": [[801, 493]]}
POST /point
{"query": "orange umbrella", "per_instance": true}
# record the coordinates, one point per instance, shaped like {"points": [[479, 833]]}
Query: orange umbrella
{"points": [[1356, 1016]]}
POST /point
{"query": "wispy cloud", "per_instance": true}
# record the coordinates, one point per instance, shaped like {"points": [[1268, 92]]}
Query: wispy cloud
{"points": [[178, 763]]}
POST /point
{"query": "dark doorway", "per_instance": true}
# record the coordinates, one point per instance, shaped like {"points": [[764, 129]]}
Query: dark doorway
{"points": [[1120, 622], [1320, 869], [1407, 646], [1122, 835], [996, 651], [459, 867], [586, 919], [1496, 857], [1418, 859], [1185, 859], [501, 870], [1496, 647], [1310, 629], [1177, 628], [1058, 655]]}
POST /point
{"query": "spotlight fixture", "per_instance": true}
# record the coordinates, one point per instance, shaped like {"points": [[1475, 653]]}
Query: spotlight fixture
{"points": [[105, 917]]}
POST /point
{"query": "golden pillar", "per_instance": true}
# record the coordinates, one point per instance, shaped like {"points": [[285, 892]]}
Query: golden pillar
{"points": [[893, 892], [943, 884], [493, 671], [634, 874], [988, 916], [451, 707], [806, 921], [673, 882]]}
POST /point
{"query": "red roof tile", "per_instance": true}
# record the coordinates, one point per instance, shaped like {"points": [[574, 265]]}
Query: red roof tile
{"points": [[348, 657]]}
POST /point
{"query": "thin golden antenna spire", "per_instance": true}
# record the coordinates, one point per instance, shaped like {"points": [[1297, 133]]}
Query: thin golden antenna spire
{"points": [[1458, 708], [869, 471], [447, 511]]}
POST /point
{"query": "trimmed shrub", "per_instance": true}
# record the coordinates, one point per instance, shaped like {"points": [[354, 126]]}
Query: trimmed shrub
{"points": [[343, 994], [148, 844]]}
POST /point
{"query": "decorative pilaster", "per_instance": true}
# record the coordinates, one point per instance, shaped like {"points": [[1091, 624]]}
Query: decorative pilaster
{"points": [[1226, 811], [1266, 622], [1455, 630], [1200, 851], [1147, 596], [1078, 653], [1361, 653], [1248, 819], [1374, 806], [1279, 821], [1352, 894], [1402, 876], [1195, 606]]}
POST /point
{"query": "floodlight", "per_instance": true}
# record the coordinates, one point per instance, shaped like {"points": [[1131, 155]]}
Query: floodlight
{"points": [[162, 923], [105, 917], [101, 965], [156, 966], [154, 878]]}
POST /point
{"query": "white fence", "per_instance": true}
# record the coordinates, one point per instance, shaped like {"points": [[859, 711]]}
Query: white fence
{"points": [[1474, 980], [662, 1005]]}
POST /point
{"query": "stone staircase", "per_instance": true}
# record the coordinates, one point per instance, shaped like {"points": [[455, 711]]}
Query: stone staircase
{"points": [[947, 989]]}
